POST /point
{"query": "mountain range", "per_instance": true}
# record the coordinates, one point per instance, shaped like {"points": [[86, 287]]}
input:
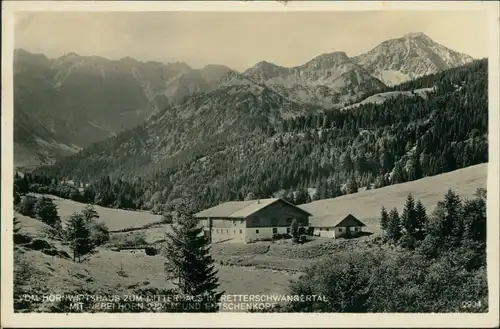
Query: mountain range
{"points": [[65, 104]]}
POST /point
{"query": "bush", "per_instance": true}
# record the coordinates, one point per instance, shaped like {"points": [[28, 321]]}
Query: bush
{"points": [[302, 230], [150, 251], [303, 238], [99, 233], [27, 206], [281, 236]]}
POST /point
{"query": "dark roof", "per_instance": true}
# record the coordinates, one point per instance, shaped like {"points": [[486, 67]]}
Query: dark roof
{"points": [[329, 221], [241, 209]]}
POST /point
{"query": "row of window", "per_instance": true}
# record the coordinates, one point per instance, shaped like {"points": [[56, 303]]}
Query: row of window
{"points": [[356, 229], [226, 231]]}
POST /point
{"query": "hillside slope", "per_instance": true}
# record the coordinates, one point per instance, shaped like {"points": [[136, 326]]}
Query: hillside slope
{"points": [[366, 205]]}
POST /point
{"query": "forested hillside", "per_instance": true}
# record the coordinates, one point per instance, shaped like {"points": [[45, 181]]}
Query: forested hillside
{"points": [[269, 152]]}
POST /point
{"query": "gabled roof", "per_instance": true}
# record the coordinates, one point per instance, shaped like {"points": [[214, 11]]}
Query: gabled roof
{"points": [[241, 209], [329, 221]]}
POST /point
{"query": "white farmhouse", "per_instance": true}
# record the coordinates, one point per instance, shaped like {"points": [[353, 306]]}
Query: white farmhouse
{"points": [[327, 226]]}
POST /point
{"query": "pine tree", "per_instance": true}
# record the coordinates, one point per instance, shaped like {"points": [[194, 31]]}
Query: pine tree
{"points": [[408, 217], [46, 211], [189, 263], [421, 221], [352, 185], [90, 213], [398, 174], [78, 236], [384, 219], [394, 226]]}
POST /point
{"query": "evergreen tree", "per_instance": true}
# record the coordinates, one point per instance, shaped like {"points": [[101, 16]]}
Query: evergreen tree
{"points": [[90, 213], [475, 218], [394, 226], [446, 223], [46, 211], [408, 217], [78, 235], [398, 174], [352, 185], [189, 263], [384, 219], [421, 221]]}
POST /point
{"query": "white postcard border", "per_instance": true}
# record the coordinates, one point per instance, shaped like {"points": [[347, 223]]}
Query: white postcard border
{"points": [[10, 319]]}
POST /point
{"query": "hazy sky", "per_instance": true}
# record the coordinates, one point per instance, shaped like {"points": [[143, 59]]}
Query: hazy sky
{"points": [[240, 39]]}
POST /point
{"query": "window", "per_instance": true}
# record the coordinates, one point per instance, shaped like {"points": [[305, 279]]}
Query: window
{"points": [[256, 231], [355, 229], [340, 229], [227, 231], [327, 229], [275, 230], [217, 231], [288, 230], [241, 231], [234, 231]]}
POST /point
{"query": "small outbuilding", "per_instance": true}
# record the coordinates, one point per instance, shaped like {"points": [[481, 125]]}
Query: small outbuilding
{"points": [[327, 226]]}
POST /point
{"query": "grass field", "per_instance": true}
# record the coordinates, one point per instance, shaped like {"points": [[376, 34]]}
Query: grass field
{"points": [[366, 205], [115, 219]]}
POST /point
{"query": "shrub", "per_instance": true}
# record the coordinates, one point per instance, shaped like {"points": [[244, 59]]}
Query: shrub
{"points": [[150, 251], [280, 236], [27, 206], [99, 233]]}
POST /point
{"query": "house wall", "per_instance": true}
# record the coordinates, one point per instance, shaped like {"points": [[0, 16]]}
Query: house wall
{"points": [[278, 214], [325, 232], [226, 229], [260, 233], [336, 232]]}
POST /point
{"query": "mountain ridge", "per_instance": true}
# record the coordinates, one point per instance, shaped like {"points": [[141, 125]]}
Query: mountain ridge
{"points": [[85, 99]]}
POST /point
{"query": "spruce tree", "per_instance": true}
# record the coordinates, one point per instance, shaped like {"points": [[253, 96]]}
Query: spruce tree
{"points": [[46, 211], [189, 263], [384, 219], [394, 226], [90, 213], [408, 217], [78, 236], [421, 221]]}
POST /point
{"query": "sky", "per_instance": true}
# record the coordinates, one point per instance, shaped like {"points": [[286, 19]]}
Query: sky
{"points": [[239, 40]]}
